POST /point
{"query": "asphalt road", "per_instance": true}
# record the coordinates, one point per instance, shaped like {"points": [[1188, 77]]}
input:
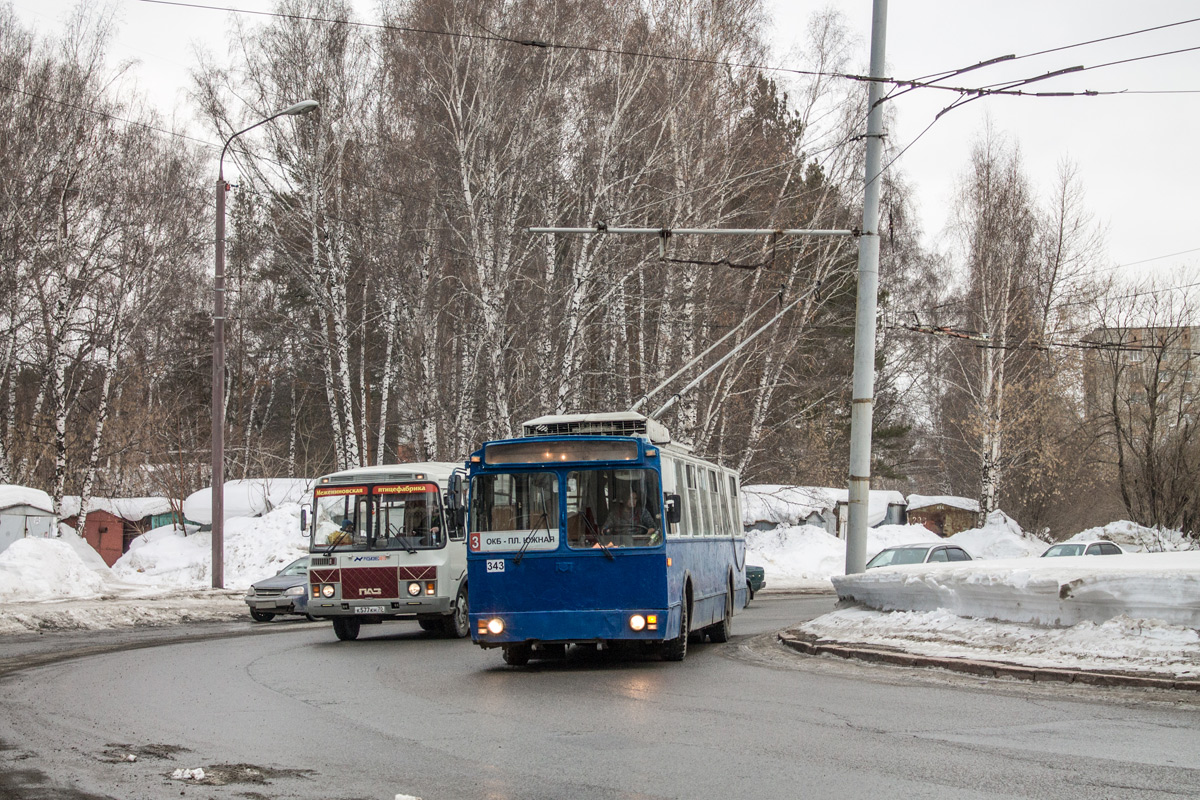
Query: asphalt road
{"points": [[291, 713]]}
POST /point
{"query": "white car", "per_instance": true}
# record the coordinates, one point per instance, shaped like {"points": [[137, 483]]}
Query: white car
{"points": [[918, 554], [1100, 548]]}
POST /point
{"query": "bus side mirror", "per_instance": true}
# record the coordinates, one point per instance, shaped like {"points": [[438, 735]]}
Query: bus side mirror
{"points": [[674, 509], [304, 520]]}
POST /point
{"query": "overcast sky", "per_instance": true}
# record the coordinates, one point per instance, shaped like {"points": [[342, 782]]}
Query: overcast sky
{"points": [[1134, 152]]}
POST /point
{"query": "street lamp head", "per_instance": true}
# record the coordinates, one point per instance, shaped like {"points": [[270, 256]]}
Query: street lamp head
{"points": [[303, 107]]}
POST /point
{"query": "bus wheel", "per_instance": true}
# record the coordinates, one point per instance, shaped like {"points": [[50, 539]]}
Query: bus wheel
{"points": [[261, 616], [346, 629], [720, 631], [458, 624], [516, 655], [676, 649]]}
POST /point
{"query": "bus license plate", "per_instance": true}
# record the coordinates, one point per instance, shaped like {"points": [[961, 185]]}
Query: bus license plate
{"points": [[369, 610], [495, 565]]}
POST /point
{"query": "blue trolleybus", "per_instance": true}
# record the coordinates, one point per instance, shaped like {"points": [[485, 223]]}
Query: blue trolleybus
{"points": [[596, 530]]}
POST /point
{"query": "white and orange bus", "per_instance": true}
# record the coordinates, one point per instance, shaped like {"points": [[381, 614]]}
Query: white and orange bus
{"points": [[389, 543]]}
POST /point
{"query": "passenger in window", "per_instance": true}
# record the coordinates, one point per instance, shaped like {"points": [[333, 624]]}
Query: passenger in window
{"points": [[627, 520]]}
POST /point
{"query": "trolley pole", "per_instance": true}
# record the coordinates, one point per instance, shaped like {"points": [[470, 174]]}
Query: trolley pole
{"points": [[868, 288]]}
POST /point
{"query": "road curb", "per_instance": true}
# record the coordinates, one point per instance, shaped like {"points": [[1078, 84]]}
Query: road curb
{"points": [[810, 645]]}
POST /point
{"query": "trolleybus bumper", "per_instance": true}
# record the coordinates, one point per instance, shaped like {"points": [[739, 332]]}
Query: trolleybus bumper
{"points": [[574, 627]]}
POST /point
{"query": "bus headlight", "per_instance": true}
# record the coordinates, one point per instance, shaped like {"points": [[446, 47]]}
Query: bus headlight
{"points": [[495, 626], [414, 588], [637, 622], [327, 590]]}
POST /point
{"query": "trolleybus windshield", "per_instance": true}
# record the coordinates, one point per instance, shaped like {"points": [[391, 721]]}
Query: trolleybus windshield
{"points": [[613, 508], [514, 511], [384, 517]]}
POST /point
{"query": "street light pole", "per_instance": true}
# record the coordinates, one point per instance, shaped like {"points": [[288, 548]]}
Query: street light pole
{"points": [[218, 382]]}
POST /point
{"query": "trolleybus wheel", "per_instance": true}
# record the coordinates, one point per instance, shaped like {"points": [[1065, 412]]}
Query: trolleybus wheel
{"points": [[261, 616], [720, 631], [516, 655], [458, 624], [676, 649], [346, 629]]}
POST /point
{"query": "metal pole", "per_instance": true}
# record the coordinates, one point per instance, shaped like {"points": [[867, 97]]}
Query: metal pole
{"points": [[218, 395], [218, 381], [861, 411]]}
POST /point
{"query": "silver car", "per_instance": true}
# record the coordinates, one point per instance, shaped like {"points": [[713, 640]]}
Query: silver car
{"points": [[285, 592], [1100, 548], [918, 554]]}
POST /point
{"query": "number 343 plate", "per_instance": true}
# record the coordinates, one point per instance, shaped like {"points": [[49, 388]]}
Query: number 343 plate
{"points": [[495, 565]]}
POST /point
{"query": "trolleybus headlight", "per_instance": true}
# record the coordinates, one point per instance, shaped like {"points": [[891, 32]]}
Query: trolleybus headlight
{"points": [[652, 622], [414, 588], [327, 590], [495, 626], [637, 622]]}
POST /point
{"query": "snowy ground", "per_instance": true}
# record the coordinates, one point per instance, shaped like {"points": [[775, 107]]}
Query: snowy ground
{"points": [[1149, 621]]}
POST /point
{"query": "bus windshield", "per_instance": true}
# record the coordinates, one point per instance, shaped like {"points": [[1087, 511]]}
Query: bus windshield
{"points": [[392, 517], [613, 508]]}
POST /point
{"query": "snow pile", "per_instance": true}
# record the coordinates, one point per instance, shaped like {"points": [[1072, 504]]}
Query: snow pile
{"points": [[1046, 591], [37, 569], [796, 557], [806, 557], [1121, 644], [1001, 537], [255, 548], [248, 498], [1133, 537]]}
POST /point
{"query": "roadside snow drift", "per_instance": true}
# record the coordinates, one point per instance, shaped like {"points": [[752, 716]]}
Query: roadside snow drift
{"points": [[1046, 591]]}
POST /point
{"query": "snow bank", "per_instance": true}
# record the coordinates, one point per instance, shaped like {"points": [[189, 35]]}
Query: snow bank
{"points": [[1121, 644], [1051, 591], [255, 548], [1133, 537], [36, 569], [796, 557], [1001, 537], [248, 498], [806, 557]]}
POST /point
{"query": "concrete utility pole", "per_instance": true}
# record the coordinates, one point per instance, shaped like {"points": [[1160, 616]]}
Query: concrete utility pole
{"points": [[868, 289]]}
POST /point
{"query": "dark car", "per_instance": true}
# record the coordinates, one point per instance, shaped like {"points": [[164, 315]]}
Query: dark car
{"points": [[918, 554], [1100, 548], [756, 579], [286, 592]]}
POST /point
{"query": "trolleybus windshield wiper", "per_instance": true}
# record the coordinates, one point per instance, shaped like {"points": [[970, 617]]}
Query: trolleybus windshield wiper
{"points": [[544, 522], [596, 534]]}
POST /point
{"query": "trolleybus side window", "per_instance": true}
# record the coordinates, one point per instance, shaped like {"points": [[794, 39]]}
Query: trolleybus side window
{"points": [[723, 507], [695, 513], [706, 498], [613, 508], [735, 506], [684, 528]]}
